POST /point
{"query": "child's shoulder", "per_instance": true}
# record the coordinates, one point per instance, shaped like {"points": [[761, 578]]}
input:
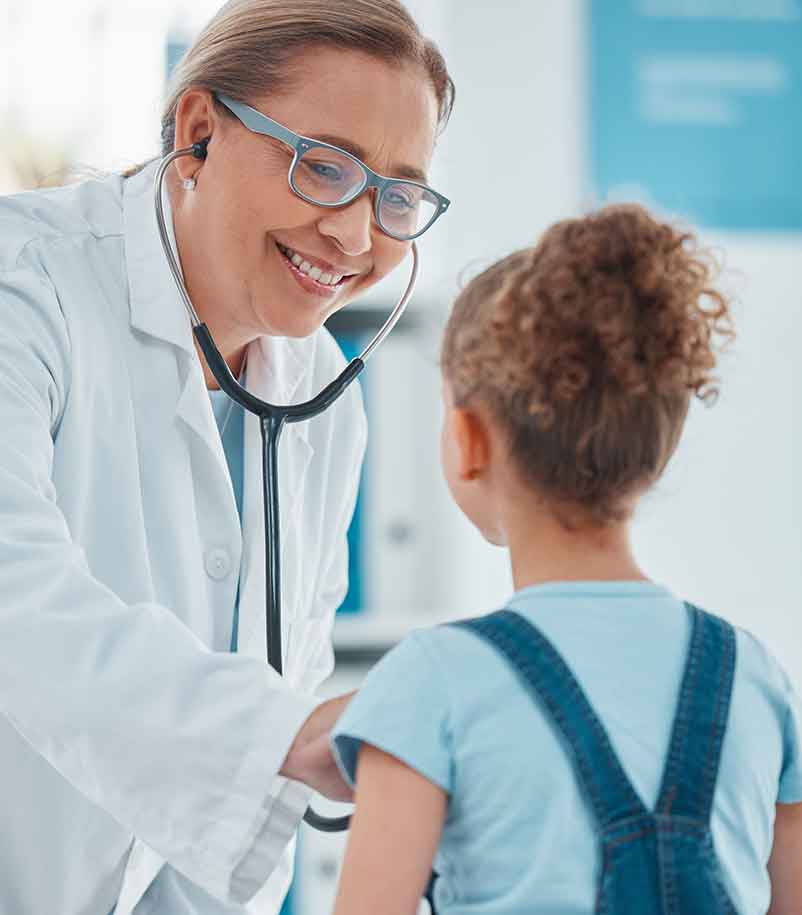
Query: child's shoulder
{"points": [[444, 638], [450, 651], [444, 647], [757, 666]]}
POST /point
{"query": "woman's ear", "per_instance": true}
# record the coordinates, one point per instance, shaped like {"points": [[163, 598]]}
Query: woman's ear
{"points": [[195, 119], [472, 440]]}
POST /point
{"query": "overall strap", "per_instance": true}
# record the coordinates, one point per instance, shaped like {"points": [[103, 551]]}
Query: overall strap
{"points": [[549, 680], [689, 779]]}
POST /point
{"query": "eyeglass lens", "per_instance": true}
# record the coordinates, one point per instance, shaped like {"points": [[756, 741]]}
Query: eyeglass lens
{"points": [[327, 176]]}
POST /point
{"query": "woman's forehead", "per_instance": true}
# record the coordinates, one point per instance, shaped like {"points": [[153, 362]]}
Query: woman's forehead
{"points": [[374, 109]]}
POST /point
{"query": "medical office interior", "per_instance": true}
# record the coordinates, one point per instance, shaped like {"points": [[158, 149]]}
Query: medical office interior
{"points": [[691, 106]]}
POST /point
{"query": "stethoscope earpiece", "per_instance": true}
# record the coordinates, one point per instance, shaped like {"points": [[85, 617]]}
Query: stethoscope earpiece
{"points": [[199, 150]]}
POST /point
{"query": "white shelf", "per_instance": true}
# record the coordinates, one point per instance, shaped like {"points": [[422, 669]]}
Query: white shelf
{"points": [[371, 630]]}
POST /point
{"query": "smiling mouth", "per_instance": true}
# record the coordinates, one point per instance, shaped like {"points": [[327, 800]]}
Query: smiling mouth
{"points": [[327, 280]]}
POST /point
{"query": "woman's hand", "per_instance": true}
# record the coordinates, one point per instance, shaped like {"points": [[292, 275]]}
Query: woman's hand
{"points": [[310, 759]]}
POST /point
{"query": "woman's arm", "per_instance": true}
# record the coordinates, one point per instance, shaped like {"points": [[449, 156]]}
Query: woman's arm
{"points": [[393, 838], [785, 864]]}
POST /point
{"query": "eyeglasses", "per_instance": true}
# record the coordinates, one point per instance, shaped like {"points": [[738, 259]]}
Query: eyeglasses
{"points": [[331, 177]]}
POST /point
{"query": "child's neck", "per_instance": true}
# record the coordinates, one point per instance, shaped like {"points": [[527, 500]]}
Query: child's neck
{"points": [[543, 550]]}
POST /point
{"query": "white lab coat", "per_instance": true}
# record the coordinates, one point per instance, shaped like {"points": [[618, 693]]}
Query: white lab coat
{"points": [[129, 736]]}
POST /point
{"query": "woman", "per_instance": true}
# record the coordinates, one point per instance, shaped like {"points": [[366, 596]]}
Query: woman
{"points": [[142, 759]]}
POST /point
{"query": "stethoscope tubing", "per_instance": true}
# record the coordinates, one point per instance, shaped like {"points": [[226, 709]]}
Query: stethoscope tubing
{"points": [[272, 419], [236, 389]]}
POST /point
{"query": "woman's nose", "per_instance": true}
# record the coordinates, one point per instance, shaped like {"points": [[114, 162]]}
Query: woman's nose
{"points": [[350, 226]]}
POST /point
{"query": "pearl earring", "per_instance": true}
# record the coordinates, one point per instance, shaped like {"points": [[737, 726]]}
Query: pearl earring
{"points": [[188, 184]]}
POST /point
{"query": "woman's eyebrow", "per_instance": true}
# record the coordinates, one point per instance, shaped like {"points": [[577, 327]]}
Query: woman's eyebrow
{"points": [[398, 171]]}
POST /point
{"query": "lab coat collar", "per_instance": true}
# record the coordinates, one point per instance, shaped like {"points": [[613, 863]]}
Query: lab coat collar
{"points": [[156, 305], [276, 367]]}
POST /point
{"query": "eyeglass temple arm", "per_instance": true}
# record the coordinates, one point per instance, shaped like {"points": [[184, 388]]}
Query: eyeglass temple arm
{"points": [[258, 122]]}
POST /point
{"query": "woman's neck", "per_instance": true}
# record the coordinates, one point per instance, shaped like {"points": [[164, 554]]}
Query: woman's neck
{"points": [[228, 338], [235, 361]]}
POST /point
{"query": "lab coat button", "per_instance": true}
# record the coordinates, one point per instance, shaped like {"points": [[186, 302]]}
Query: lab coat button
{"points": [[218, 563]]}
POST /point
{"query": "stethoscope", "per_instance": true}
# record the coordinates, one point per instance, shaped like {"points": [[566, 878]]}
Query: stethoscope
{"points": [[272, 419]]}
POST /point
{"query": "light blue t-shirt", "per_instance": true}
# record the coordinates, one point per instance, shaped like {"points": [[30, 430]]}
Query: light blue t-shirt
{"points": [[519, 837]]}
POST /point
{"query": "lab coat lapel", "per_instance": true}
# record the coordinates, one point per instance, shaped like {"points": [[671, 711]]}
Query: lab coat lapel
{"points": [[276, 367], [156, 306], [158, 311], [195, 410]]}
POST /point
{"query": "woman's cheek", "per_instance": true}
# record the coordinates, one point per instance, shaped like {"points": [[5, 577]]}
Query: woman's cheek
{"points": [[389, 256]]}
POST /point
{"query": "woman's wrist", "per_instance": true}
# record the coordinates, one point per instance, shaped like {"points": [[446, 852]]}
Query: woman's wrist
{"points": [[300, 765], [292, 766]]}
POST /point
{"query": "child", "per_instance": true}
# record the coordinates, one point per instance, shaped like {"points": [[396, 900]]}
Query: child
{"points": [[599, 746]]}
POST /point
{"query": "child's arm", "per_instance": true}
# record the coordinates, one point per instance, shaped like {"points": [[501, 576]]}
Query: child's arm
{"points": [[394, 835], [785, 864]]}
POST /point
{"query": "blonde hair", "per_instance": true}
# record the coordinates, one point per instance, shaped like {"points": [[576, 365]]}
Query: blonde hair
{"points": [[251, 47]]}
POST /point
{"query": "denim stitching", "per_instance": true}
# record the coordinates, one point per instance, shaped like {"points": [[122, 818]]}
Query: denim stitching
{"points": [[671, 774], [718, 724]]}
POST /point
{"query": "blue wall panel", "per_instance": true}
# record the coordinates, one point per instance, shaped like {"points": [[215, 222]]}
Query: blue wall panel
{"points": [[696, 107]]}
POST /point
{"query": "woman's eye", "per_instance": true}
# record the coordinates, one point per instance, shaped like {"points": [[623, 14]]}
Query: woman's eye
{"points": [[399, 201], [325, 170]]}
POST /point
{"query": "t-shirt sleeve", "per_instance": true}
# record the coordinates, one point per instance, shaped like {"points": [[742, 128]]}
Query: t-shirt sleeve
{"points": [[403, 709], [790, 791]]}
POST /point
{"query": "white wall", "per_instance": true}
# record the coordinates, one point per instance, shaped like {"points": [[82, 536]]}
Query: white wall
{"points": [[725, 525], [513, 158]]}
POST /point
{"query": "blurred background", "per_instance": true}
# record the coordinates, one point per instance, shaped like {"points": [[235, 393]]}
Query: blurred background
{"points": [[691, 106]]}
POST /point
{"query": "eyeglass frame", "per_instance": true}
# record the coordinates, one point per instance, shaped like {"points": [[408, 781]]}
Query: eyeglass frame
{"points": [[257, 122]]}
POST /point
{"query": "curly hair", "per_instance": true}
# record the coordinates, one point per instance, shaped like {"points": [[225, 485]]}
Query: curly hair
{"points": [[587, 349]]}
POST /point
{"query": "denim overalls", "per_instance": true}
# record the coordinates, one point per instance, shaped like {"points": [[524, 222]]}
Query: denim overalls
{"points": [[653, 863]]}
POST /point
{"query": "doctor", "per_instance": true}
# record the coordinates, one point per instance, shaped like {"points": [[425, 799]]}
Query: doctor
{"points": [[145, 766]]}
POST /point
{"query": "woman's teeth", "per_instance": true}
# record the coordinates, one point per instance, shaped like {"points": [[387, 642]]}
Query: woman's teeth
{"points": [[325, 279]]}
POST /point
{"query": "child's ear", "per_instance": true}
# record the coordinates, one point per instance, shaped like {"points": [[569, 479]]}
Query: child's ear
{"points": [[473, 443]]}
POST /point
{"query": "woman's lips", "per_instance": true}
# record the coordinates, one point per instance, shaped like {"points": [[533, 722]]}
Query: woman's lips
{"points": [[306, 282]]}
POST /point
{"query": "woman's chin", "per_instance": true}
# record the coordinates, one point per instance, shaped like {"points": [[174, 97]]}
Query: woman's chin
{"points": [[301, 313], [296, 325]]}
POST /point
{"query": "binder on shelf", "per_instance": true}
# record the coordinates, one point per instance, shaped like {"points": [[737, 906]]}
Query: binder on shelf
{"points": [[351, 344]]}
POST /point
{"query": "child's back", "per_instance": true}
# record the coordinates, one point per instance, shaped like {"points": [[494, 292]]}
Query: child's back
{"points": [[568, 374], [519, 837]]}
